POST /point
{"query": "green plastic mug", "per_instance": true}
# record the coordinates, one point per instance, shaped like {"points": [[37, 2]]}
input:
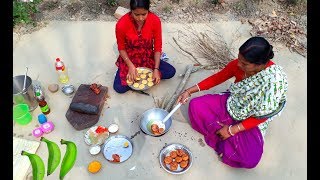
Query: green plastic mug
{"points": [[21, 114]]}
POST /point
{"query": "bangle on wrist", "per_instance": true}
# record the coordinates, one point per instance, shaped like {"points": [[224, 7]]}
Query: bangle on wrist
{"points": [[157, 69], [126, 58], [229, 130], [238, 127], [198, 87]]}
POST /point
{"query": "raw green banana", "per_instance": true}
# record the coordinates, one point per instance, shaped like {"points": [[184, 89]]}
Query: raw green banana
{"points": [[37, 164], [54, 155], [69, 157]]}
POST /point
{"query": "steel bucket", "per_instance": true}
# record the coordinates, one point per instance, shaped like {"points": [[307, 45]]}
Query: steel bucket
{"points": [[24, 97]]}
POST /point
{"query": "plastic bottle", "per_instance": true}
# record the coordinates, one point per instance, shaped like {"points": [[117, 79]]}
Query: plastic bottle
{"points": [[62, 71], [42, 103]]}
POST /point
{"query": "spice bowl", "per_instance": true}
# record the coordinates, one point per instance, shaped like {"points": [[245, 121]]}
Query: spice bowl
{"points": [[95, 149], [113, 128], [68, 89]]}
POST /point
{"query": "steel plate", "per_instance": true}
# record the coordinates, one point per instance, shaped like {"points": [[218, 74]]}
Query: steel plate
{"points": [[115, 145], [145, 71], [166, 152]]}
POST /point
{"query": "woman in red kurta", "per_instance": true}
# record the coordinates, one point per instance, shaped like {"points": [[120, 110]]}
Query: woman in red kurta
{"points": [[139, 40], [229, 121]]}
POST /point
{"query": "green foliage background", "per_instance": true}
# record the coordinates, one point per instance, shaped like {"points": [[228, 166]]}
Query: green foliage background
{"points": [[23, 11]]}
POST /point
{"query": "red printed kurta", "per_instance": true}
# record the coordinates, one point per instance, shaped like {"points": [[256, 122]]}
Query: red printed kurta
{"points": [[231, 70], [140, 46]]}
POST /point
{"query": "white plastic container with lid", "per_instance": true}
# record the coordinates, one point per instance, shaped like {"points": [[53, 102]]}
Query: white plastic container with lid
{"points": [[62, 71]]}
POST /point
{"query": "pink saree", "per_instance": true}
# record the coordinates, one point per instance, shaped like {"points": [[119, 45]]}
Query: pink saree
{"points": [[243, 150]]}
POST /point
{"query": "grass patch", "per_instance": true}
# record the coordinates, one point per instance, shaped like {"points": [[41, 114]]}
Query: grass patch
{"points": [[24, 11]]}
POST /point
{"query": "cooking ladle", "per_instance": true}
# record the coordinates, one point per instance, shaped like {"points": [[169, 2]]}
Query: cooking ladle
{"points": [[25, 79], [161, 123]]}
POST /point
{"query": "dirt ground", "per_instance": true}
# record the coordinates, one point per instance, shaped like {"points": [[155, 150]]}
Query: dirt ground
{"points": [[272, 18], [285, 152]]}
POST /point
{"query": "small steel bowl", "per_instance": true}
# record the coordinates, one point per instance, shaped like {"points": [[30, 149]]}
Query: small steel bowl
{"points": [[113, 128], [68, 89], [166, 152], [95, 149]]}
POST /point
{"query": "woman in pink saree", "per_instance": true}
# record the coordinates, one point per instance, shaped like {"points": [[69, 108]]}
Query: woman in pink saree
{"points": [[233, 123]]}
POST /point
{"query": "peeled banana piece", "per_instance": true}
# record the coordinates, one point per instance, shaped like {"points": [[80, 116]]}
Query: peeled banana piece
{"points": [[69, 158], [54, 155], [38, 169]]}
